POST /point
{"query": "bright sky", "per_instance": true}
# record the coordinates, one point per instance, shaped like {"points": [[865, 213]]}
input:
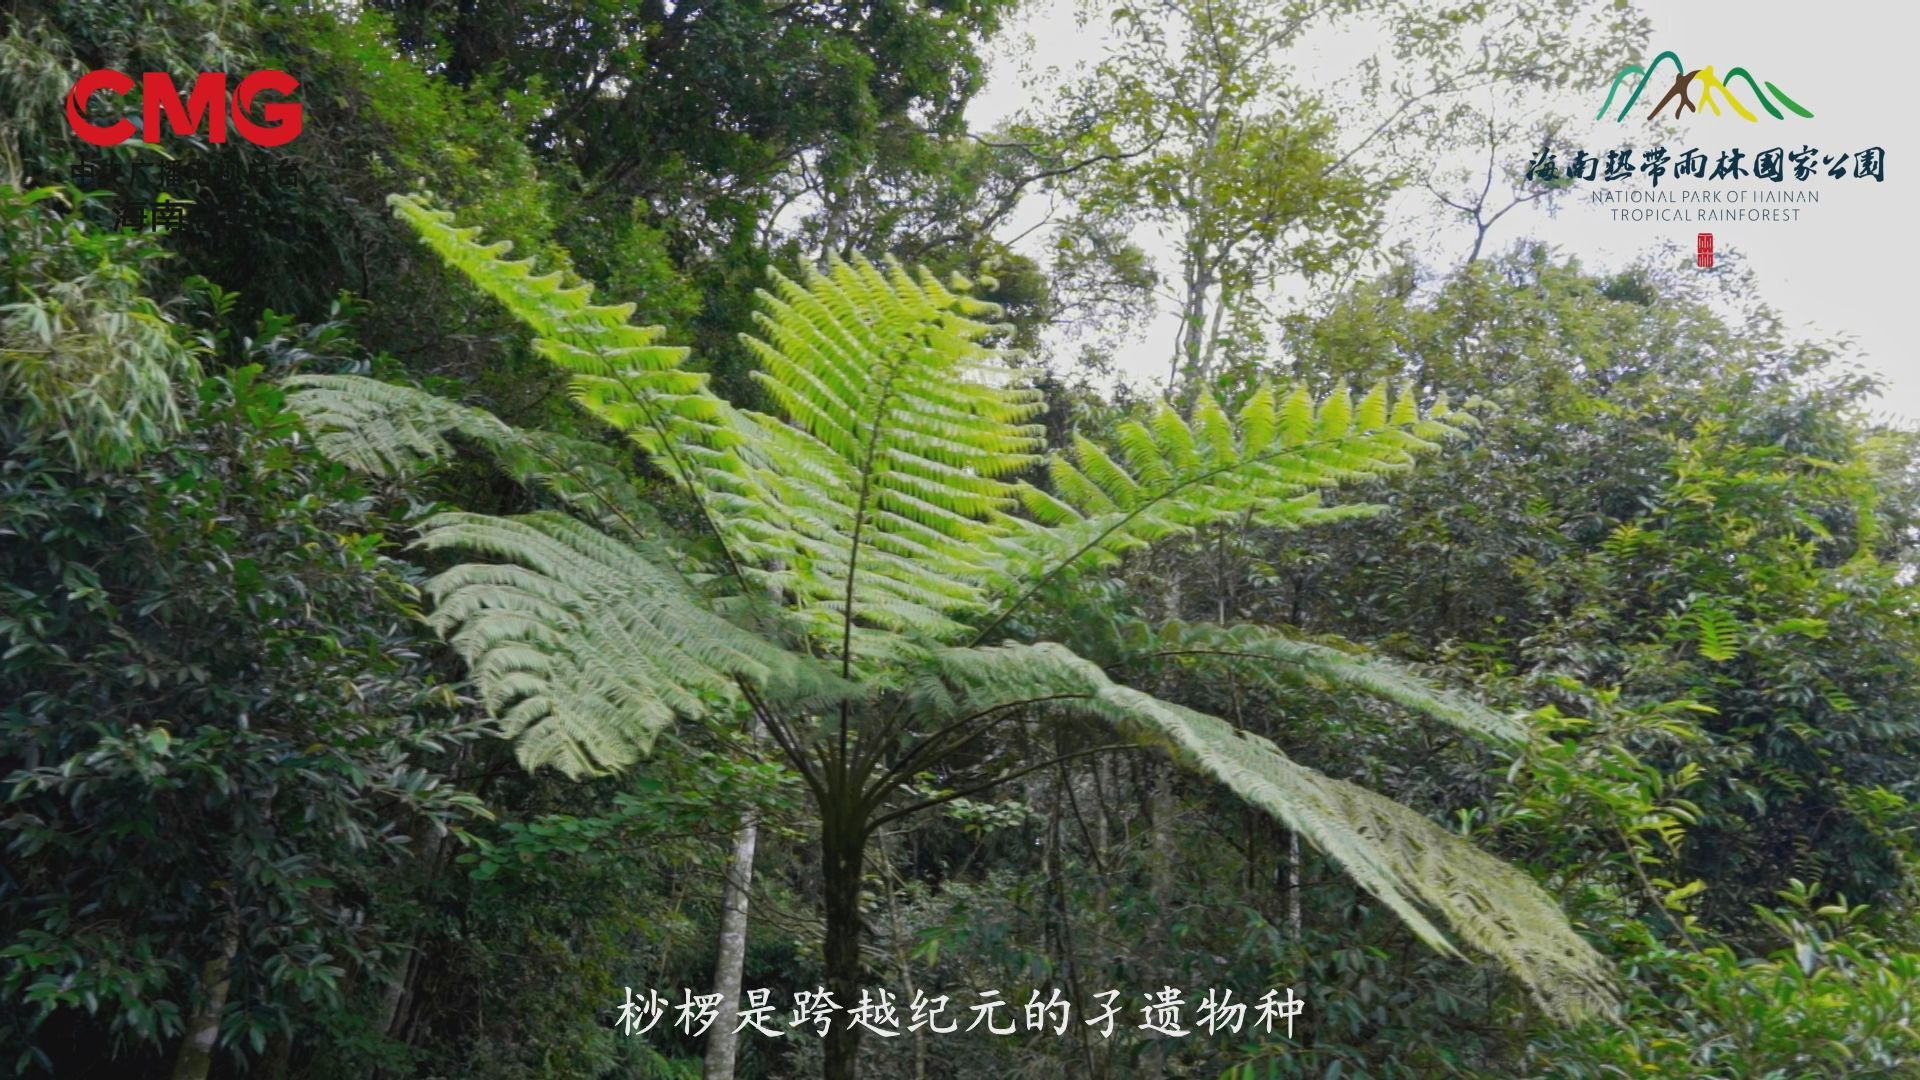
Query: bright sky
{"points": [[1832, 273]]}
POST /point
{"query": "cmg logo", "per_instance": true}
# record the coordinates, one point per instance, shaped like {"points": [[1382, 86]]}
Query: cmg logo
{"points": [[277, 124]]}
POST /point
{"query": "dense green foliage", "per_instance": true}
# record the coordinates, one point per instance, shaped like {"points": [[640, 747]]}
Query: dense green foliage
{"points": [[1567, 734]]}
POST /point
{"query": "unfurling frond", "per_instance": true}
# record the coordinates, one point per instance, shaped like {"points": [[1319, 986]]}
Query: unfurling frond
{"points": [[1268, 655], [1166, 475], [583, 648], [1412, 865], [619, 372], [873, 499], [388, 430]]}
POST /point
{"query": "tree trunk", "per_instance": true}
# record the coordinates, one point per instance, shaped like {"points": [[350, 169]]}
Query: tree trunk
{"points": [[1197, 259], [1293, 886], [722, 1043], [279, 1056], [203, 1027], [396, 999], [395, 994], [1210, 348], [842, 849], [1161, 854], [902, 956]]}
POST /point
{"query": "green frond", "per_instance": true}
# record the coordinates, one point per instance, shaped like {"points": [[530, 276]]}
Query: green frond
{"points": [[1417, 868], [619, 371], [1715, 631], [390, 430], [1168, 475], [383, 429], [1268, 655], [583, 648], [877, 493], [583, 644]]}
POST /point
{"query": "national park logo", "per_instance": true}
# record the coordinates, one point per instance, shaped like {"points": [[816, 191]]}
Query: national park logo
{"points": [[1679, 93]]}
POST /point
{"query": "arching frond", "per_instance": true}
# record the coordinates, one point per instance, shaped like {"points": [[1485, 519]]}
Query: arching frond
{"points": [[384, 429], [878, 501], [1267, 655], [584, 649], [874, 498], [389, 430], [1166, 475], [619, 371], [1411, 864]]}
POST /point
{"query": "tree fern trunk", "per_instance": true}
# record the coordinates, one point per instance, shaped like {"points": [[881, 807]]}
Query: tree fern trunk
{"points": [[842, 846]]}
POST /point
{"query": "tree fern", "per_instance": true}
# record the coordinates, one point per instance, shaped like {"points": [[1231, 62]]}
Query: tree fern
{"points": [[619, 371], [873, 499], [881, 502], [584, 641]]}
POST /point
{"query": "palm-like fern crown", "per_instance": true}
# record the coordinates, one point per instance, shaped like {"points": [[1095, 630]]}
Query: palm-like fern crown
{"points": [[879, 502], [884, 508]]}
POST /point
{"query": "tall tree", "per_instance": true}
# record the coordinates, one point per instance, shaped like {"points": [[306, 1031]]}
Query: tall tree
{"points": [[1239, 177], [1239, 184]]}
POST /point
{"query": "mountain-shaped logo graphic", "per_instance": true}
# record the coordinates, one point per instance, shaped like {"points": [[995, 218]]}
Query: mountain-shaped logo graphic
{"points": [[1679, 94]]}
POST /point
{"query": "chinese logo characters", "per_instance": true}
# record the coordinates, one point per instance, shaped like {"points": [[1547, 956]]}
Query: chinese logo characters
{"points": [[1774, 164]]}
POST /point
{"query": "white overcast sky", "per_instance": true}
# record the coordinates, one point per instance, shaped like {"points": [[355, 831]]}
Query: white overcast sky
{"points": [[1840, 270]]}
